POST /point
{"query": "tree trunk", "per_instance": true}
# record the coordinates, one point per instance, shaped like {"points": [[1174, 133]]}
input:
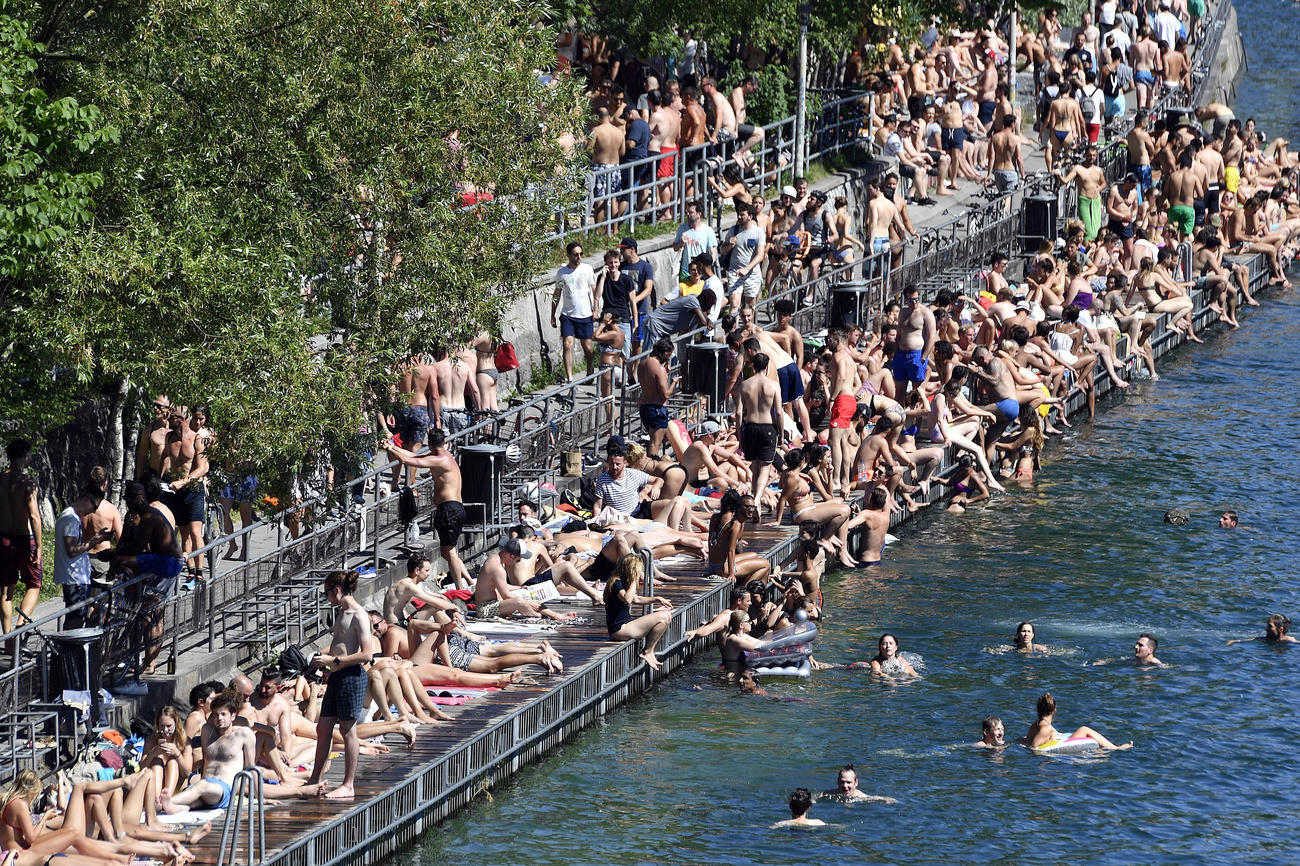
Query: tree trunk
{"points": [[96, 436]]}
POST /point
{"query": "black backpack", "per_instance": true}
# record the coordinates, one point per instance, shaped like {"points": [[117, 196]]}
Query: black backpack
{"points": [[588, 496], [1110, 85], [406, 508]]}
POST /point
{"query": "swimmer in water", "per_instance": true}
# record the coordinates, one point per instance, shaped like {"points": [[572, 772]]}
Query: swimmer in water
{"points": [[1042, 733], [1228, 520], [846, 789], [1025, 639], [749, 684], [1144, 653], [800, 805], [888, 661], [1275, 631], [993, 734]]}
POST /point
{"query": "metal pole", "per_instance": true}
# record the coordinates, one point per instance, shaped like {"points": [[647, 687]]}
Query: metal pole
{"points": [[1011, 47], [801, 111]]}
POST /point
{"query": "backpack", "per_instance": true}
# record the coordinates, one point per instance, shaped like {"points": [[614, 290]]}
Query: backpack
{"points": [[406, 508], [1110, 86], [1090, 102], [292, 662], [588, 496]]}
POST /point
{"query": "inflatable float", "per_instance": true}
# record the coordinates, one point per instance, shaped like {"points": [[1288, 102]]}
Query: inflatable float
{"points": [[785, 653], [1068, 746]]}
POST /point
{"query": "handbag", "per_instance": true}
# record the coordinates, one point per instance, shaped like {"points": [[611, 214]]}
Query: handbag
{"points": [[506, 360]]}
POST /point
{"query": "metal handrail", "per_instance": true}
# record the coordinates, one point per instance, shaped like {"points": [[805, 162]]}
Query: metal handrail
{"points": [[246, 791]]}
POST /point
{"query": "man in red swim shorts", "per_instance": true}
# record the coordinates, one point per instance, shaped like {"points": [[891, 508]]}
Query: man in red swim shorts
{"points": [[843, 385], [20, 535]]}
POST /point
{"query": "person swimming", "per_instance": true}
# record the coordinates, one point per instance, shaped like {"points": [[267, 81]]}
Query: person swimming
{"points": [[1043, 734], [1275, 631], [888, 661], [1024, 639], [800, 805], [993, 734], [846, 789]]}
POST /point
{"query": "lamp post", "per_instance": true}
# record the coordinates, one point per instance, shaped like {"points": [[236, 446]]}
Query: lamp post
{"points": [[801, 111]]}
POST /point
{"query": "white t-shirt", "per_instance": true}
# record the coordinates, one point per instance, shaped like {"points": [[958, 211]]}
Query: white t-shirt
{"points": [[1107, 12], [694, 242], [69, 571], [576, 285], [1090, 102], [1165, 28], [747, 245], [1117, 38]]}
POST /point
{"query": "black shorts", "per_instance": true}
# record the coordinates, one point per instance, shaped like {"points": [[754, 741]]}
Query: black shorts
{"points": [[601, 567], [188, 505], [449, 518], [743, 132], [345, 694], [758, 441]]}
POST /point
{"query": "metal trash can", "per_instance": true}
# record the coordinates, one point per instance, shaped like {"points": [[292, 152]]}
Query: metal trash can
{"points": [[707, 373], [481, 470]]}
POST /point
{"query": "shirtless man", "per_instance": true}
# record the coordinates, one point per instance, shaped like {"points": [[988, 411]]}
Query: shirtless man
{"points": [[449, 514], [694, 132], [399, 595], [704, 455], [1210, 159], [876, 520], [541, 566], [227, 750], [1090, 180], [916, 336], [455, 375], [150, 452], [1064, 125], [492, 596], [800, 806], [418, 385], [747, 134], [993, 734], [273, 717], [1122, 212], [1181, 189], [762, 420], [986, 89], [1146, 66], [1003, 394], [846, 789], [105, 517], [782, 366], [1006, 156], [917, 84], [606, 144], [352, 646], [656, 389], [1141, 149], [1276, 630], [665, 127], [153, 548], [1177, 68], [184, 466], [842, 385], [20, 536], [883, 220]]}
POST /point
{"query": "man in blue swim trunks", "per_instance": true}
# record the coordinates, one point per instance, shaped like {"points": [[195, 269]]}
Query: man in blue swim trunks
{"points": [[227, 749], [1000, 384], [656, 388], [152, 550], [916, 335]]}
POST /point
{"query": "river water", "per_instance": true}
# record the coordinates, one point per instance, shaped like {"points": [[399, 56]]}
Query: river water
{"points": [[695, 772]]}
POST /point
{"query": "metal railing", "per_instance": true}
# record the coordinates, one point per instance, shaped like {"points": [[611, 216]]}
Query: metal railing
{"points": [[247, 794]]}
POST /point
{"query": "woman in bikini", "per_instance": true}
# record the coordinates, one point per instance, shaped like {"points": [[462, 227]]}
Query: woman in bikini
{"points": [[669, 507], [1162, 294], [797, 492], [943, 430], [168, 754], [1042, 733], [609, 339], [726, 531], [485, 350], [1026, 445], [735, 640]]}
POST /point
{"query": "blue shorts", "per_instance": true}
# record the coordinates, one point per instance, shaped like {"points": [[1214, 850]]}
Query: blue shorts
{"points": [[952, 139], [345, 694], [654, 417], [582, 328], [75, 593], [791, 382], [1144, 76], [413, 425], [626, 328], [1009, 408], [986, 112], [225, 796], [909, 366], [1143, 173], [163, 566], [241, 493]]}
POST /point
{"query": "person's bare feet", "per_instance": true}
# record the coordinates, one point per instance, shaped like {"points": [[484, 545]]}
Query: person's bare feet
{"points": [[165, 804], [651, 660], [198, 833], [848, 561], [408, 731], [342, 792]]}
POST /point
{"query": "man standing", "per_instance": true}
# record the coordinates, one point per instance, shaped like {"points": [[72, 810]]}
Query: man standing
{"points": [[185, 465], [1181, 191], [916, 335], [843, 386], [454, 375], [72, 554], [449, 514], [575, 297], [656, 388], [637, 150], [1146, 64], [149, 454], [152, 549], [694, 132], [748, 247], [20, 535], [418, 386], [1141, 147], [642, 290], [1006, 156], [1121, 209], [665, 126], [1090, 180], [763, 423], [351, 647], [106, 516], [614, 292], [606, 143], [695, 237]]}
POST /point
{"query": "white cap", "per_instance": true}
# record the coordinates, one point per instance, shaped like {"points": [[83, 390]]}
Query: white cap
{"points": [[789, 190], [709, 428]]}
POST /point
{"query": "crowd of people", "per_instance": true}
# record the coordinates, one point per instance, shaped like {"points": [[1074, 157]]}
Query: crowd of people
{"points": [[841, 430]]}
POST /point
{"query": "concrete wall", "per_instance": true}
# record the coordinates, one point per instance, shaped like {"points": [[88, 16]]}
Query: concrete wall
{"points": [[1227, 64]]}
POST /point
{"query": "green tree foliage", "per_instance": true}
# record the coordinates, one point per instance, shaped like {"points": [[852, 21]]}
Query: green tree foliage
{"points": [[285, 217]]}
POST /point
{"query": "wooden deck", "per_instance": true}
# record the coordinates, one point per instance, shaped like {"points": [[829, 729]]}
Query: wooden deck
{"points": [[403, 793]]}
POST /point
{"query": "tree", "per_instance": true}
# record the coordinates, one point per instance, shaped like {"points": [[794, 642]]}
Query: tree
{"points": [[305, 193]]}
